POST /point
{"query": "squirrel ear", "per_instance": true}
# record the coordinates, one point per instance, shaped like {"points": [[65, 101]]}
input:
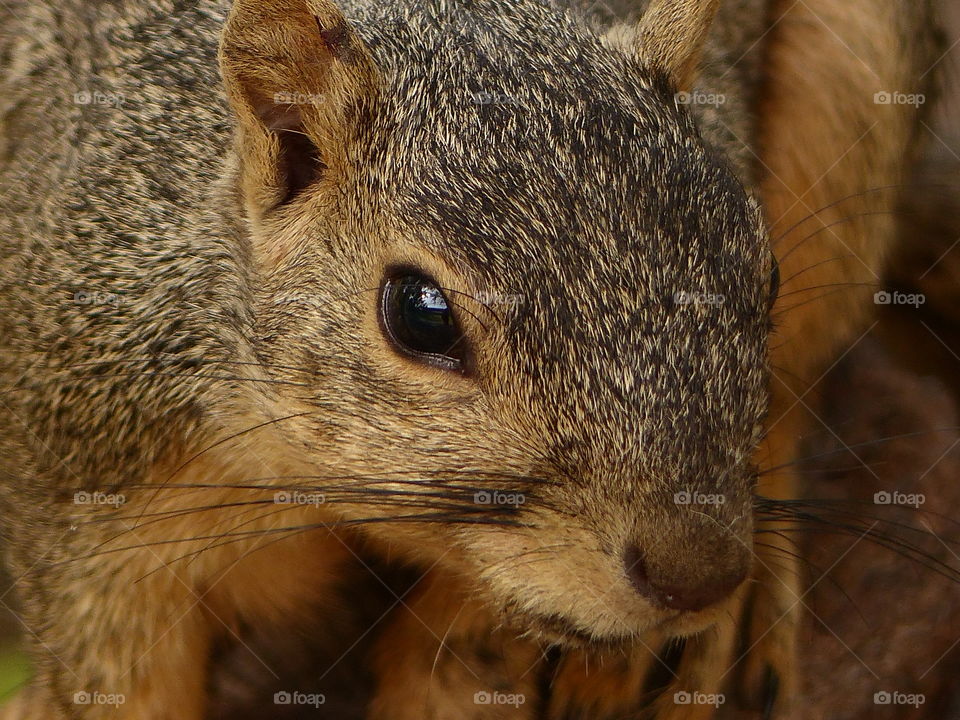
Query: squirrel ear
{"points": [[294, 73], [671, 36]]}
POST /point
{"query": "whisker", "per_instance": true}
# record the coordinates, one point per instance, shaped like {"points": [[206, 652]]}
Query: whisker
{"points": [[219, 443], [837, 506], [783, 311], [868, 443], [440, 518], [60, 381], [801, 519], [173, 360], [818, 571], [834, 204], [406, 500], [797, 274], [831, 285], [471, 314], [841, 221], [477, 300]]}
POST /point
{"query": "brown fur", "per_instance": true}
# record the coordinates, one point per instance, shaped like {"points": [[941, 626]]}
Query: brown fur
{"points": [[672, 35], [315, 201], [826, 62]]}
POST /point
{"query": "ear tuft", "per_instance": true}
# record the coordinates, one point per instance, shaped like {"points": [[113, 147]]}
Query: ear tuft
{"points": [[672, 34], [294, 72]]}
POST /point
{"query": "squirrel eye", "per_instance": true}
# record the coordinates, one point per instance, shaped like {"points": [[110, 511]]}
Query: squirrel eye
{"points": [[774, 281], [418, 321]]}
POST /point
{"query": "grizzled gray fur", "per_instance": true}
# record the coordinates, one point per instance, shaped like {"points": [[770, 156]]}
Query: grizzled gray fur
{"points": [[146, 310]]}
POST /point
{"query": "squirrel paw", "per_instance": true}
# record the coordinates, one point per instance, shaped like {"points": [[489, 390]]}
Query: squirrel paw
{"points": [[615, 686], [591, 685], [769, 669], [594, 686], [695, 692]]}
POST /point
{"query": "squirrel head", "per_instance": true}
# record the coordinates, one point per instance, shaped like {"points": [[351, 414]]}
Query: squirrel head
{"points": [[526, 307]]}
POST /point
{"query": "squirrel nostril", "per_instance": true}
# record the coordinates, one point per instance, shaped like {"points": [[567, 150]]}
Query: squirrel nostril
{"points": [[678, 595], [637, 572]]}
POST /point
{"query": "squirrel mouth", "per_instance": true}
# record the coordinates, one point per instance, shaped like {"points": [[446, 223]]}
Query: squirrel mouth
{"points": [[557, 630]]}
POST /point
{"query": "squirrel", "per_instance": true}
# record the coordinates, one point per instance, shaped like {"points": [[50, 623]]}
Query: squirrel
{"points": [[529, 301]]}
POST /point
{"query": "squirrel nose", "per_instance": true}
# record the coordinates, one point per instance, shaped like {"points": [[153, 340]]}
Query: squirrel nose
{"points": [[708, 589]]}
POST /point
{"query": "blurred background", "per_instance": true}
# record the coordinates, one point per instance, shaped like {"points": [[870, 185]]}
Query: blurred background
{"points": [[13, 663]]}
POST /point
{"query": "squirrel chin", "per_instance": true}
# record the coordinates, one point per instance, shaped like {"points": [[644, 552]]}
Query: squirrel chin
{"points": [[557, 631]]}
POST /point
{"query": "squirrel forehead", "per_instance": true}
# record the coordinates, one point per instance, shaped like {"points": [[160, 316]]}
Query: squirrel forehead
{"points": [[485, 78], [497, 82], [504, 141]]}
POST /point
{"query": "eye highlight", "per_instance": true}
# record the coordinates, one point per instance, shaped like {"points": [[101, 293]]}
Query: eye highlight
{"points": [[418, 321]]}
